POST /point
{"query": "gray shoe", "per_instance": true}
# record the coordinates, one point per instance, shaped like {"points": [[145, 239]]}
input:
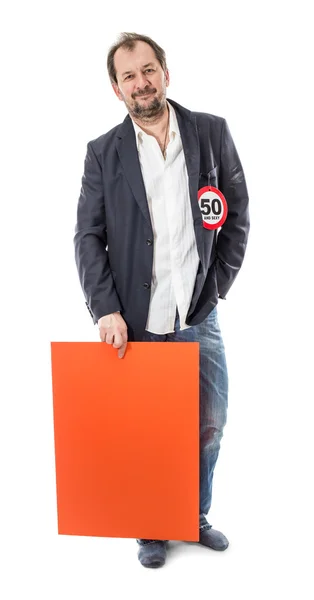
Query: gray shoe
{"points": [[153, 554], [213, 539]]}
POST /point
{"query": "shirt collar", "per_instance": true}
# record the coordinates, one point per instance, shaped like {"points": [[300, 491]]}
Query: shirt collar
{"points": [[173, 126]]}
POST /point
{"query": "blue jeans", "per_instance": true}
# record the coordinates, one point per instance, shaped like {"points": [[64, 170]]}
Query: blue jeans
{"points": [[213, 398]]}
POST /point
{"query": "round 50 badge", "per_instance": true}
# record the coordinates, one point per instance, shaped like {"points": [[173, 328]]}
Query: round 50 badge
{"points": [[213, 206]]}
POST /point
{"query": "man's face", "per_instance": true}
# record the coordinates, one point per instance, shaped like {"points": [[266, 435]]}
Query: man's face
{"points": [[141, 81]]}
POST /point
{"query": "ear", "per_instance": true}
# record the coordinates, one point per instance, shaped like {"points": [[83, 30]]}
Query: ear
{"points": [[117, 91], [167, 76]]}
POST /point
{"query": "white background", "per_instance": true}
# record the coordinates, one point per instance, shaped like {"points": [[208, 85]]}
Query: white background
{"points": [[249, 62]]}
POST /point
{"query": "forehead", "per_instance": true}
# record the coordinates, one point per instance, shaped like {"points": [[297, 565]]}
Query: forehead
{"points": [[130, 60]]}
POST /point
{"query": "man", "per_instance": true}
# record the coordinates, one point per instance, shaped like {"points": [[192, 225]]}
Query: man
{"points": [[149, 266]]}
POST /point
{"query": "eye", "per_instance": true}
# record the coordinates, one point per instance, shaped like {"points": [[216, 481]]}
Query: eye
{"points": [[149, 70], [127, 77]]}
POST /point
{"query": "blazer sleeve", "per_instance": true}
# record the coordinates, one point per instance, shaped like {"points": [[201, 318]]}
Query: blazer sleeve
{"points": [[90, 243], [232, 237]]}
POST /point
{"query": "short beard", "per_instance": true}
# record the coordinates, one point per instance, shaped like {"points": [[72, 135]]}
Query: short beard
{"points": [[148, 113]]}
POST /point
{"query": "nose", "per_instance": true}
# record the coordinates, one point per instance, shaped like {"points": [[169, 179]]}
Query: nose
{"points": [[141, 81]]}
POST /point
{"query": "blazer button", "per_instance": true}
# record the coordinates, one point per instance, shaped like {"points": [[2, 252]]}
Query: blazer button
{"points": [[146, 286], [149, 242]]}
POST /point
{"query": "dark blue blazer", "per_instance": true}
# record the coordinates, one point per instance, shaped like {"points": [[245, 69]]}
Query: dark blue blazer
{"points": [[114, 240]]}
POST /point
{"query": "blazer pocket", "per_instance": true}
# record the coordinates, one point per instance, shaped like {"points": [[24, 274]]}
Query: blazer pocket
{"points": [[213, 177], [208, 178]]}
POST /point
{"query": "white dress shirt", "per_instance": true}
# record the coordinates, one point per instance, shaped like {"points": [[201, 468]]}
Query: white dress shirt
{"points": [[176, 258]]}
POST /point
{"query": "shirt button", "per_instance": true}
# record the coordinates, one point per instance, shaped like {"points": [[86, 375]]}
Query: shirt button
{"points": [[146, 286], [149, 242]]}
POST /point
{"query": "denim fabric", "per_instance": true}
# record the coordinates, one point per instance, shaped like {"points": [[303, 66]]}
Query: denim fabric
{"points": [[213, 398]]}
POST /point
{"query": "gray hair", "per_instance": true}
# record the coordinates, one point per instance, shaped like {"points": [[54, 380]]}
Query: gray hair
{"points": [[128, 41]]}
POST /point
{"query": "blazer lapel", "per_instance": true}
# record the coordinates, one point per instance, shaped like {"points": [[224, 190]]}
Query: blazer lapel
{"points": [[191, 148], [128, 154]]}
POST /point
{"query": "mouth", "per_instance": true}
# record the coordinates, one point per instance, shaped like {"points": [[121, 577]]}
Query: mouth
{"points": [[146, 95]]}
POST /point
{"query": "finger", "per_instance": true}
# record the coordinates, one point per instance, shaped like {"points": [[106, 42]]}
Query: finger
{"points": [[103, 332], [118, 341], [122, 350], [109, 338], [102, 335], [125, 335]]}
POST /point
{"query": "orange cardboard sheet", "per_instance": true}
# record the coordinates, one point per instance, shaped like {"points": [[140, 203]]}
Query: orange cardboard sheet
{"points": [[127, 439]]}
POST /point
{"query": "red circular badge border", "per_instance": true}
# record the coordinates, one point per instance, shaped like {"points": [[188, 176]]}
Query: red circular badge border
{"points": [[210, 188]]}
